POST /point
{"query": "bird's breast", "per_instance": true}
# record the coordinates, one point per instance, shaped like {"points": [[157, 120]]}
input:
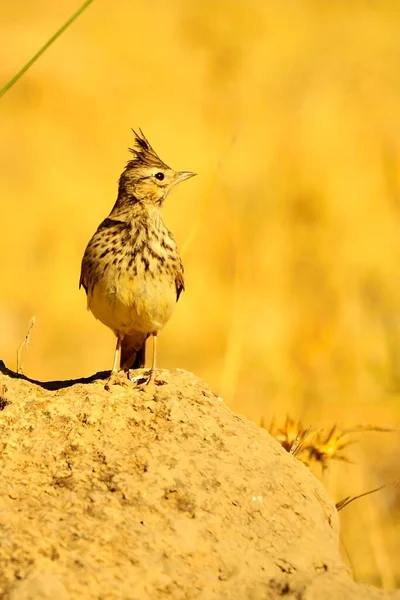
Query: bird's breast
{"points": [[133, 299]]}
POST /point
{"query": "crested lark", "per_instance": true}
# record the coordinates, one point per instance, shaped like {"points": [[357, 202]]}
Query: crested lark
{"points": [[131, 270]]}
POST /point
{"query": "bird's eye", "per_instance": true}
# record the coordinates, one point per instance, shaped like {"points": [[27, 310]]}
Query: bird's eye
{"points": [[159, 176]]}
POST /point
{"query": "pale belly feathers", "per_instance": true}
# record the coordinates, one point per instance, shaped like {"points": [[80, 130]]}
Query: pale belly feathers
{"points": [[127, 305]]}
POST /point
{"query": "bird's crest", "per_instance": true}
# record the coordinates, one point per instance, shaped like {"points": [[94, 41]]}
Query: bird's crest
{"points": [[143, 153]]}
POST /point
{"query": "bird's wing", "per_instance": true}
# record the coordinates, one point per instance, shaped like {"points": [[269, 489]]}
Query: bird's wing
{"points": [[179, 281], [108, 225]]}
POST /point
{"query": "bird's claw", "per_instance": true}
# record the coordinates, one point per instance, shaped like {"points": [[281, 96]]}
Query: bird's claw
{"points": [[117, 378], [146, 377]]}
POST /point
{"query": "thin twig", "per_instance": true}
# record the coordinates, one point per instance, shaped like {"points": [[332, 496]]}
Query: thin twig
{"points": [[44, 48], [24, 345]]}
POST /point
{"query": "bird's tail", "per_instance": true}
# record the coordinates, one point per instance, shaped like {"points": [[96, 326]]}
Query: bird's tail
{"points": [[133, 351]]}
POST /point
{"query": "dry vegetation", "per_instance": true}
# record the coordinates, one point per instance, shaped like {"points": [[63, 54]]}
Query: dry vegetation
{"points": [[289, 113]]}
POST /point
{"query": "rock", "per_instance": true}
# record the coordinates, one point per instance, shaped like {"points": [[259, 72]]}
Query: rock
{"points": [[147, 493], [38, 586]]}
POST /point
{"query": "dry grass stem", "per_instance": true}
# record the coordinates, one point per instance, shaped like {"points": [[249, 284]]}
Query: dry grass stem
{"points": [[346, 501], [24, 346]]}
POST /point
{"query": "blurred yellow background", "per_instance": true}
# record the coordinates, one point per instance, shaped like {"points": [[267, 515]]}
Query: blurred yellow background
{"points": [[289, 113]]}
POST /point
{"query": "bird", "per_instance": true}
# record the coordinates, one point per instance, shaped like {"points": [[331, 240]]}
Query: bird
{"points": [[131, 270]]}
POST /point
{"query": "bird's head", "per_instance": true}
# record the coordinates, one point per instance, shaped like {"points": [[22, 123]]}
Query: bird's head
{"points": [[146, 178]]}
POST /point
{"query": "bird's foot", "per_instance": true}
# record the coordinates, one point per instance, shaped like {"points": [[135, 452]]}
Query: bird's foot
{"points": [[146, 376], [117, 378]]}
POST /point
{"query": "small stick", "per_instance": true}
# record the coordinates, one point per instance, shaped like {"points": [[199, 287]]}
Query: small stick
{"points": [[24, 345]]}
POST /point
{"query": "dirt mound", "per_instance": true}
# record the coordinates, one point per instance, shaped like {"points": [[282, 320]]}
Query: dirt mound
{"points": [[156, 492]]}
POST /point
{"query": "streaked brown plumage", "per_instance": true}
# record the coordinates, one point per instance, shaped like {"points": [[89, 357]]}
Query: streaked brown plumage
{"points": [[131, 270]]}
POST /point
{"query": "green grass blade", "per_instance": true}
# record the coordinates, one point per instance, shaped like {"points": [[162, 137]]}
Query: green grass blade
{"points": [[44, 48]]}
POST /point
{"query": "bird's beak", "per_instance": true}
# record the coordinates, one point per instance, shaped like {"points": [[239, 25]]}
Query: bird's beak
{"points": [[182, 175]]}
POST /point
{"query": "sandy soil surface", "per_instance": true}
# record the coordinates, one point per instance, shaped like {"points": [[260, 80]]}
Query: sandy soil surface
{"points": [[155, 492]]}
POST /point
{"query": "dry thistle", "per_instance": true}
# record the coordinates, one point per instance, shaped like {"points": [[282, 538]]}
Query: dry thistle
{"points": [[326, 446], [310, 445], [321, 446], [291, 435]]}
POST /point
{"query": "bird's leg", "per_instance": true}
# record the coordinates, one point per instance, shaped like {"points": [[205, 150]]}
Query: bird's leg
{"points": [[153, 369], [151, 376], [154, 355], [152, 372], [116, 377], [117, 354]]}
